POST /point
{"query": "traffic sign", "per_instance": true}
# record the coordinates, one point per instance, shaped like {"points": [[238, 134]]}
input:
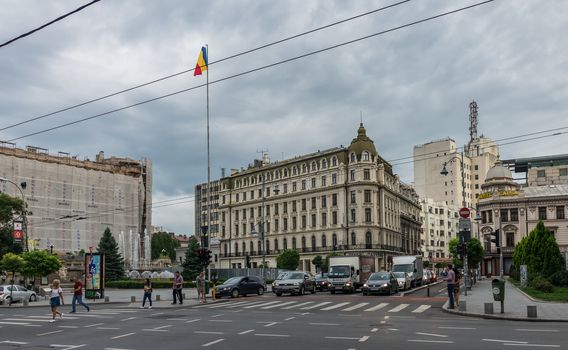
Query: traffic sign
{"points": [[464, 224], [464, 213]]}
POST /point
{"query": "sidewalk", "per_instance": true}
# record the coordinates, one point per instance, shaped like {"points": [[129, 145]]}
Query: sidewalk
{"points": [[515, 305], [123, 296]]}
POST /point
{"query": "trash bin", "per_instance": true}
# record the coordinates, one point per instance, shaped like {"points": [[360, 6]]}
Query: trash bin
{"points": [[498, 289]]}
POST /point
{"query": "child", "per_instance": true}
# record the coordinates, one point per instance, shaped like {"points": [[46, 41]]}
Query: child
{"points": [[56, 299], [147, 293]]}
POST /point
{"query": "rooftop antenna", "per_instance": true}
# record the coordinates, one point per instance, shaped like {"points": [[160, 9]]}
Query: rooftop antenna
{"points": [[472, 120], [361, 116]]}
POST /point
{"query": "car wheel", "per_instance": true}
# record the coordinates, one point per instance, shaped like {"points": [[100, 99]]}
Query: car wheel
{"points": [[260, 291], [33, 297], [235, 293], [278, 294]]}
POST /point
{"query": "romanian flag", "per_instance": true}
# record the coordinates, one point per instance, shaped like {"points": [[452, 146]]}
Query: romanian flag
{"points": [[201, 62]]}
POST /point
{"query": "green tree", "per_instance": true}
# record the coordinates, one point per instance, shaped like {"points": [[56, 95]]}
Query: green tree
{"points": [[288, 260], [10, 207], [7, 244], [425, 264], [164, 242], [318, 262], [191, 265], [474, 252], [539, 251], [39, 263], [114, 264], [12, 263]]}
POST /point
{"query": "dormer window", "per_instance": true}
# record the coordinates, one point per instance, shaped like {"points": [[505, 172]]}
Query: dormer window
{"points": [[334, 161], [352, 157], [366, 156]]}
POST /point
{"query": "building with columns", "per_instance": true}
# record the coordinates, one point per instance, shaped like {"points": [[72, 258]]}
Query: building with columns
{"points": [[342, 200]]}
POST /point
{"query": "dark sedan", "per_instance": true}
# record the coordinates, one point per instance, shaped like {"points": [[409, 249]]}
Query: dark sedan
{"points": [[321, 282], [236, 286], [381, 282]]}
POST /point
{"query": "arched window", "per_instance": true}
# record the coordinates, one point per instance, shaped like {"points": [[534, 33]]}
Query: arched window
{"points": [[313, 243], [323, 163], [368, 240], [285, 243], [294, 170], [304, 168], [323, 241], [294, 243], [366, 156], [259, 247], [314, 166], [353, 157], [285, 172], [334, 161], [353, 239], [276, 244], [334, 241], [303, 243]]}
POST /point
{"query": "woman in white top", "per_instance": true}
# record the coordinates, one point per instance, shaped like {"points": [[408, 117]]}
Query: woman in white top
{"points": [[56, 299]]}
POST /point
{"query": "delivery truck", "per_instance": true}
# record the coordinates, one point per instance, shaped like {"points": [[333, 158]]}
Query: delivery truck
{"points": [[348, 273]]}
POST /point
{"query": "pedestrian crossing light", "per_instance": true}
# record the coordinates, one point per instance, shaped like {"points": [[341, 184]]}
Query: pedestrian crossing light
{"points": [[496, 238]]}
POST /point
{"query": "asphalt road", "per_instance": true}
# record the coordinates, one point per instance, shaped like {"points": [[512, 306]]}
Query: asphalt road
{"points": [[307, 322]]}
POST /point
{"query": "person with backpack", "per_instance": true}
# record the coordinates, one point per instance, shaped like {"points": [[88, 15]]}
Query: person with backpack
{"points": [[147, 293]]}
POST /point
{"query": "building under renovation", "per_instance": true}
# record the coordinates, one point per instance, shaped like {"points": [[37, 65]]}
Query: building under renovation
{"points": [[71, 201]]}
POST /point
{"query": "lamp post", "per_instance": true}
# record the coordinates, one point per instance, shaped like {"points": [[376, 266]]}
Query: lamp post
{"points": [[464, 205], [19, 187]]}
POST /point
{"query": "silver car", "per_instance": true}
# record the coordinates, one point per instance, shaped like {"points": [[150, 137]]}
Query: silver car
{"points": [[404, 281], [294, 283], [16, 293]]}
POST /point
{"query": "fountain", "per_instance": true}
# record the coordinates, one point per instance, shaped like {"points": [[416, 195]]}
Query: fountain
{"points": [[147, 249]]}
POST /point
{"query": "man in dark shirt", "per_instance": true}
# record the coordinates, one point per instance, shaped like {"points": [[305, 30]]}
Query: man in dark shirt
{"points": [[451, 280], [78, 296], [177, 286]]}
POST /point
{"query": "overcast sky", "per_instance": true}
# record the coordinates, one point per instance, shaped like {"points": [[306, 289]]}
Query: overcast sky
{"points": [[411, 86]]}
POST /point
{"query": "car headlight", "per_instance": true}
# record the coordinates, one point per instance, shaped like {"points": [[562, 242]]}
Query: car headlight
{"points": [[296, 283], [226, 288], [348, 284], [365, 285], [385, 285], [275, 284]]}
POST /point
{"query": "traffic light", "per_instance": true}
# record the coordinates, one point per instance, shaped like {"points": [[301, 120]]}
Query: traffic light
{"points": [[247, 261], [207, 259], [496, 238]]}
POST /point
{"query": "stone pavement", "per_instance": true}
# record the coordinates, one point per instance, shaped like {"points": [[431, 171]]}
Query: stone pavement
{"points": [[515, 305], [124, 296]]}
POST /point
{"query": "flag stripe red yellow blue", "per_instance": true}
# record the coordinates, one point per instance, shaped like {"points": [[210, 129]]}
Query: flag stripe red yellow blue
{"points": [[201, 62]]}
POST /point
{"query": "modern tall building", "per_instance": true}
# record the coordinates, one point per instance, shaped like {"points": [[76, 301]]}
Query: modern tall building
{"points": [[73, 201], [207, 230], [440, 225], [343, 200]]}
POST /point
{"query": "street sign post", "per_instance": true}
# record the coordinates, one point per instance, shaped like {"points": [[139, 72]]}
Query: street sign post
{"points": [[464, 213]]}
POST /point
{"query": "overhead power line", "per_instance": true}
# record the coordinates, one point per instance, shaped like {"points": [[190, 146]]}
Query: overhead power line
{"points": [[210, 64], [255, 69], [48, 24]]}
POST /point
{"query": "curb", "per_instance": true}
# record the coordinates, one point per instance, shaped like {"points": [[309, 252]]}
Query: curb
{"points": [[412, 291], [496, 317]]}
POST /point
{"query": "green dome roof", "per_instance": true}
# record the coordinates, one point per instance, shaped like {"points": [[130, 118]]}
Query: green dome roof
{"points": [[362, 143]]}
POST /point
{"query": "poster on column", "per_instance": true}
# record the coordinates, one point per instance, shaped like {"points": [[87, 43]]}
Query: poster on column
{"points": [[94, 275]]}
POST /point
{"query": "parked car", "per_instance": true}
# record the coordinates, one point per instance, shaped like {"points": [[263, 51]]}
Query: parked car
{"points": [[427, 277], [403, 279], [322, 284], [381, 282], [295, 283], [236, 286], [18, 293]]}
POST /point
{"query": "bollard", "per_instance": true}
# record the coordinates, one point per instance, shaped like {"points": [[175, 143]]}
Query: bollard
{"points": [[428, 290], [463, 306], [107, 299], [531, 311], [489, 308], [132, 299], [158, 297]]}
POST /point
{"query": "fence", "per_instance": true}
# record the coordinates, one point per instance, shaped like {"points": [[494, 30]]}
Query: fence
{"points": [[265, 274]]}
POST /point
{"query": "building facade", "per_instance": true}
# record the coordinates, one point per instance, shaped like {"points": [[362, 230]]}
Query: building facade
{"points": [[71, 201], [207, 230], [343, 200], [440, 223]]}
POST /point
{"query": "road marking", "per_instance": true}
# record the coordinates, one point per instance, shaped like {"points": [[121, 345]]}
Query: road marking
{"points": [[363, 339], [156, 314], [378, 307], [400, 307], [248, 303], [297, 305], [432, 335], [127, 319], [109, 328], [14, 342], [355, 307], [246, 332], [93, 325], [271, 335], [42, 334], [205, 332], [421, 308], [229, 304], [305, 313], [176, 319], [506, 341], [343, 338], [323, 324], [29, 319], [393, 329], [191, 321], [67, 347], [534, 345], [431, 341], [464, 328], [70, 327], [116, 349], [166, 326], [213, 342], [155, 330], [263, 304], [270, 324], [374, 330], [536, 330], [217, 315], [123, 335], [316, 305], [16, 323], [335, 306], [220, 320], [290, 318], [278, 305]]}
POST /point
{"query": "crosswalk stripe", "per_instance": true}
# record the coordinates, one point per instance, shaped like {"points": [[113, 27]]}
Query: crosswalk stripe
{"points": [[297, 305], [259, 305], [228, 304], [355, 307], [335, 306], [421, 308], [316, 305], [378, 307], [400, 307], [277, 305], [247, 304]]}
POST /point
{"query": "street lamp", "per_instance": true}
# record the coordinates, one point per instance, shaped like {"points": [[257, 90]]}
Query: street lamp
{"points": [[20, 187]]}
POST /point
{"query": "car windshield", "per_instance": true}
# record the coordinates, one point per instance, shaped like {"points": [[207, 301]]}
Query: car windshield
{"points": [[379, 276], [403, 268], [320, 277], [399, 274], [282, 275], [233, 280], [339, 271], [296, 276]]}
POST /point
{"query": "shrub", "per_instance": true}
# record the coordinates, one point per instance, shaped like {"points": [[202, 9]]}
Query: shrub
{"points": [[559, 278], [139, 284], [542, 284]]}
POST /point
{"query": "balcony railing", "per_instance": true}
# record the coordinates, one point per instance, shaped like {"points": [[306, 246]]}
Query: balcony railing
{"points": [[338, 248]]}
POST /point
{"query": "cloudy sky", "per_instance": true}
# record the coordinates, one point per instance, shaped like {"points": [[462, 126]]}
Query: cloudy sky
{"points": [[411, 85]]}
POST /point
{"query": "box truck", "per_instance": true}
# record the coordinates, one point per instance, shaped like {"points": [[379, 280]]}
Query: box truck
{"points": [[412, 265], [349, 273]]}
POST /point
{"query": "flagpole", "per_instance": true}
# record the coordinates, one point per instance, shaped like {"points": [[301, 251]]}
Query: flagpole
{"points": [[208, 234]]}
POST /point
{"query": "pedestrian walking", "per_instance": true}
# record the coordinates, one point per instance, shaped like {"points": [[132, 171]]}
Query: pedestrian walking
{"points": [[78, 296], [450, 279], [200, 284], [147, 293], [457, 287], [177, 288], [56, 299]]}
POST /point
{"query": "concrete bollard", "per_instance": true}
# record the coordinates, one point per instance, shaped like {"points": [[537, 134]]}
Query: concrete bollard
{"points": [[463, 305], [132, 299], [489, 308], [158, 298], [107, 299], [531, 311]]}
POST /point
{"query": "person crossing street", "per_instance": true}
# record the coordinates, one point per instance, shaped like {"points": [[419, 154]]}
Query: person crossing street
{"points": [[177, 288], [78, 296]]}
